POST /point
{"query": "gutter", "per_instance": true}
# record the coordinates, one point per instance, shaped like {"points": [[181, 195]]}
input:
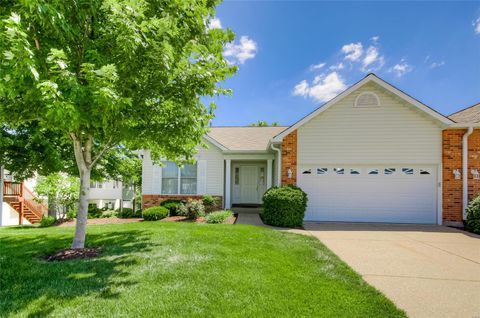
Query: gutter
{"points": [[279, 164], [465, 170]]}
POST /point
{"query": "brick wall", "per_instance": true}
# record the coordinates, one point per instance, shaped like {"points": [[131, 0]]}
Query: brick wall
{"points": [[452, 159], [289, 158], [149, 200]]}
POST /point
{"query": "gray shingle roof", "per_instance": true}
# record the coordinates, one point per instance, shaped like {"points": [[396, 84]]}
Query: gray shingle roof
{"points": [[469, 115], [244, 138]]}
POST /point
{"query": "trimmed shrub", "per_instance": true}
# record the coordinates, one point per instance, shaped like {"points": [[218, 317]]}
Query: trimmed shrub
{"points": [[94, 212], [126, 213], [195, 209], [210, 202], [172, 206], [47, 221], [472, 223], [155, 213], [182, 210], [109, 214], [284, 206], [218, 216]]}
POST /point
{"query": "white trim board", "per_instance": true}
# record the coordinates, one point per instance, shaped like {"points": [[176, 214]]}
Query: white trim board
{"points": [[369, 78]]}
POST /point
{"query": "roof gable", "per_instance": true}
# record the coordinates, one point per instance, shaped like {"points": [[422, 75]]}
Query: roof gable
{"points": [[369, 78], [243, 138]]}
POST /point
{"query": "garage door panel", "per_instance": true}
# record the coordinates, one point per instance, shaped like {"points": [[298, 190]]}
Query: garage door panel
{"points": [[398, 197]]}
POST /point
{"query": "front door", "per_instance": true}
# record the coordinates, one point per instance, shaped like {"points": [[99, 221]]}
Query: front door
{"points": [[249, 184]]}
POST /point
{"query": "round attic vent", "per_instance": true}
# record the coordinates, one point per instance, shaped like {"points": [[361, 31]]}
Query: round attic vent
{"points": [[367, 99]]}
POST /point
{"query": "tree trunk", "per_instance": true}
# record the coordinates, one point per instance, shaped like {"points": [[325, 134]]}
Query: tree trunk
{"points": [[83, 157], [52, 206], [81, 225]]}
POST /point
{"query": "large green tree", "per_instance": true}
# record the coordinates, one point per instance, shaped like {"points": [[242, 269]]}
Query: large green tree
{"points": [[112, 74]]}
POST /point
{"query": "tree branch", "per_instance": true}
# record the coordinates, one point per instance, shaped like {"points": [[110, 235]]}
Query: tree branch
{"points": [[102, 152]]}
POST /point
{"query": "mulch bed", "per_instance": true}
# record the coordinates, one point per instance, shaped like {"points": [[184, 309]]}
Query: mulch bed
{"points": [[74, 253], [103, 221], [178, 218]]}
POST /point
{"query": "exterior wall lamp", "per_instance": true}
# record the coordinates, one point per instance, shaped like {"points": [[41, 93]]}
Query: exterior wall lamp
{"points": [[457, 174]]}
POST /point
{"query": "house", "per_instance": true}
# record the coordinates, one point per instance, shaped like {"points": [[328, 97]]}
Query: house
{"points": [[19, 203], [111, 194], [371, 154]]}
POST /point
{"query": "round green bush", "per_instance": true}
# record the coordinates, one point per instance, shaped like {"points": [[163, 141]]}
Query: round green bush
{"points": [[155, 213], [473, 216], [284, 206], [172, 206]]}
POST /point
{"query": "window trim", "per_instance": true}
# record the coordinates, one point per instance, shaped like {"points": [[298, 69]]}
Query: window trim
{"points": [[366, 106], [179, 181]]}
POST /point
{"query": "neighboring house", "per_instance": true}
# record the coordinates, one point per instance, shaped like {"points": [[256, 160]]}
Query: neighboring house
{"points": [[111, 194], [371, 154]]}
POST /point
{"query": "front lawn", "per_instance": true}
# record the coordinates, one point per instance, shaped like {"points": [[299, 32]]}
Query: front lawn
{"points": [[157, 269]]}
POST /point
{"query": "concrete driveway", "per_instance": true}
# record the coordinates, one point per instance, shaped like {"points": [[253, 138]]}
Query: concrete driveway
{"points": [[429, 271]]}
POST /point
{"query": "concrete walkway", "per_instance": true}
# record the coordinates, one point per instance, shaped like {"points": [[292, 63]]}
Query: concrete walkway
{"points": [[429, 271]]}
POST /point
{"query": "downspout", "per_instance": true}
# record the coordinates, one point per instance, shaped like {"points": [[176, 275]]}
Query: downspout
{"points": [[465, 170], [279, 164]]}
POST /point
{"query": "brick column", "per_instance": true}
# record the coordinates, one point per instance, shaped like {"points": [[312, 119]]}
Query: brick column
{"points": [[289, 158], [452, 159]]}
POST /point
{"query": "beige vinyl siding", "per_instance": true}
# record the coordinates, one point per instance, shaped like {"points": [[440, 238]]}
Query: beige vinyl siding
{"points": [[213, 174], [394, 132]]}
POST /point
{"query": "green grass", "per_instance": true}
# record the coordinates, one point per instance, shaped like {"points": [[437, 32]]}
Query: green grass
{"points": [[156, 269]]}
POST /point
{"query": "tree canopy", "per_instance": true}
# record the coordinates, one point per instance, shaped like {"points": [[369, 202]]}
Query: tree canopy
{"points": [[263, 123], [108, 75]]}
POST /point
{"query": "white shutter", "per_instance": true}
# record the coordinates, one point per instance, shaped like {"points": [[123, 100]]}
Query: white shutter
{"points": [[201, 177], [157, 180]]}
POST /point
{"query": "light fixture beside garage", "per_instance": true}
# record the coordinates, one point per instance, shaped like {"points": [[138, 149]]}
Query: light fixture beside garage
{"points": [[475, 174], [457, 174], [289, 173]]}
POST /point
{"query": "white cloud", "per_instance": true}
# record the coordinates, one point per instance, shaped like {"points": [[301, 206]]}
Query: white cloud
{"points": [[375, 39], [353, 51], [476, 26], [336, 67], [322, 89], [239, 53], [437, 64], [401, 68], [317, 66], [215, 23], [373, 59]]}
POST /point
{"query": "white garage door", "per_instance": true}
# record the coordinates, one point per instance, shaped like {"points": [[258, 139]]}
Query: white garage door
{"points": [[395, 194]]}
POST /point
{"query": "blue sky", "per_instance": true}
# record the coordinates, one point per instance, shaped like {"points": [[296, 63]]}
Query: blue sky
{"points": [[295, 55]]}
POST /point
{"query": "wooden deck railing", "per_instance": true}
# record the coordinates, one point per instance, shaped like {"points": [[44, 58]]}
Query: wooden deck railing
{"points": [[13, 189], [18, 192]]}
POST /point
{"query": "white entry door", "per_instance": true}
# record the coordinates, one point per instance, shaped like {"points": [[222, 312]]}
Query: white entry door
{"points": [[396, 194], [248, 184]]}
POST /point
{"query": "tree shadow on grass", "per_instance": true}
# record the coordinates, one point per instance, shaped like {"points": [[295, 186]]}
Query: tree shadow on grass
{"points": [[26, 278]]}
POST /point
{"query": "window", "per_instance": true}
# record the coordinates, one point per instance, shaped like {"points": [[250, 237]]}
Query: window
{"points": [[408, 171], [309, 171], [390, 170], [424, 171], [237, 176], [179, 180], [373, 171], [262, 175], [96, 185], [339, 170], [322, 170], [354, 171], [367, 99]]}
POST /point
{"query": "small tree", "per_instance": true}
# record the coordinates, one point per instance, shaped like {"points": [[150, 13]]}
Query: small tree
{"points": [[111, 74], [61, 190]]}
